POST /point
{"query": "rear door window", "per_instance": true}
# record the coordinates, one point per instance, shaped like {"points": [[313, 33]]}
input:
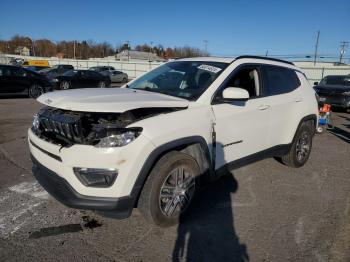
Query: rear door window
{"points": [[279, 80]]}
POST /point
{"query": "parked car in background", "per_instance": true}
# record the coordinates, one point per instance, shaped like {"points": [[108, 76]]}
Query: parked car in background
{"points": [[334, 90], [56, 70], [114, 75], [102, 68], [17, 80], [81, 79], [118, 76]]}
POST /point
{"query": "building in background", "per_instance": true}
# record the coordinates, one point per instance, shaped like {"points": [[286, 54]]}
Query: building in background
{"points": [[22, 50], [128, 55]]}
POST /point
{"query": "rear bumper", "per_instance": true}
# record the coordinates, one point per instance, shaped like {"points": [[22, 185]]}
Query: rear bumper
{"points": [[61, 190], [335, 101]]}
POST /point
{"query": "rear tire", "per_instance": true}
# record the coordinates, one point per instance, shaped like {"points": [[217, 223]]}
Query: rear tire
{"points": [[35, 90], [102, 84], [169, 189], [301, 147], [125, 80]]}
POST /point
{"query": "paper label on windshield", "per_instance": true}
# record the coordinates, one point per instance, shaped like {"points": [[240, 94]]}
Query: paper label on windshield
{"points": [[209, 68]]}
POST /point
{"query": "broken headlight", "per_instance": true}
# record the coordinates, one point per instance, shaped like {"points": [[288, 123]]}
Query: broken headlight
{"points": [[36, 122], [111, 136]]}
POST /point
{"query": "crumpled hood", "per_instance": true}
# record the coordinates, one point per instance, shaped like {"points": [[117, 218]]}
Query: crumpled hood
{"points": [[115, 100]]}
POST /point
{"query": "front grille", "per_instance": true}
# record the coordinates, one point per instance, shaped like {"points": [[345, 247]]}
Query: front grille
{"points": [[60, 127]]}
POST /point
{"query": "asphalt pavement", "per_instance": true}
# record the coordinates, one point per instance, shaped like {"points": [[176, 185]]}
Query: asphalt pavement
{"points": [[261, 212]]}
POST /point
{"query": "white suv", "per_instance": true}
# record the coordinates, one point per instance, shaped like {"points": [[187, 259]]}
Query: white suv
{"points": [[150, 143]]}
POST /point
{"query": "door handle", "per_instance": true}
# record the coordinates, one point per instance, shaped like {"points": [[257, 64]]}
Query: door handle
{"points": [[298, 99], [264, 107]]}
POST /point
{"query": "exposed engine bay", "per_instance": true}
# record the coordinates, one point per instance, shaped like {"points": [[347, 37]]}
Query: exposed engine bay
{"points": [[65, 128]]}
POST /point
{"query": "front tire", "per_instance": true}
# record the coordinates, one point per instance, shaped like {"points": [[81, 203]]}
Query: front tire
{"points": [[65, 85], [301, 147], [169, 189], [35, 90]]}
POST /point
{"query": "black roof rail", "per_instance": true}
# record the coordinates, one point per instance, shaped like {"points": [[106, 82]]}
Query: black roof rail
{"points": [[264, 57]]}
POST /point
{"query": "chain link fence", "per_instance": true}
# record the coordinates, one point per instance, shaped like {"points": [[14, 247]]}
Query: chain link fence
{"points": [[315, 74]]}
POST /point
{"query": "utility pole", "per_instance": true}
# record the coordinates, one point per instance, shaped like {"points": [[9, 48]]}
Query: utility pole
{"points": [[206, 45], [267, 52], [74, 49], [127, 47], [316, 47], [150, 51], [343, 46]]}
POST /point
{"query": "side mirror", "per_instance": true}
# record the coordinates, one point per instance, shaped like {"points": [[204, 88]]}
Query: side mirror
{"points": [[315, 83], [235, 94]]}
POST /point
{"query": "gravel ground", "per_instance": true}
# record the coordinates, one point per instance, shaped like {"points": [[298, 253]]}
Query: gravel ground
{"points": [[262, 212]]}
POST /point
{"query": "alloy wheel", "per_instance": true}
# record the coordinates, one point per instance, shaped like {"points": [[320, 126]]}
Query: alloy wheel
{"points": [[303, 146], [177, 191]]}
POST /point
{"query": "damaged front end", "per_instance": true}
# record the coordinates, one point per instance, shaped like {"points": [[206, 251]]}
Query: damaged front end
{"points": [[65, 128]]}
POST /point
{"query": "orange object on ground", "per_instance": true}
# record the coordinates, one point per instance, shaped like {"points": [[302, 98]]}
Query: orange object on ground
{"points": [[326, 108]]}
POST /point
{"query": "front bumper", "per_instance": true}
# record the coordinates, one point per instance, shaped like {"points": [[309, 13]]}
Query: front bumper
{"points": [[62, 191], [127, 160]]}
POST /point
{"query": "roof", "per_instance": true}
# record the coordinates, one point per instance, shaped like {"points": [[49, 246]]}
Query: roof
{"points": [[209, 58], [231, 59]]}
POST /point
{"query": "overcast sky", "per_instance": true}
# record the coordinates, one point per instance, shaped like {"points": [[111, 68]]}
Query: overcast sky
{"points": [[231, 27]]}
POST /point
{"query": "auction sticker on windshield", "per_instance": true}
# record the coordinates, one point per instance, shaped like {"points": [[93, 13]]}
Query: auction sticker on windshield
{"points": [[209, 68]]}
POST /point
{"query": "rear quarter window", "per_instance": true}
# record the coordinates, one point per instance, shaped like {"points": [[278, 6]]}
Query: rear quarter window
{"points": [[279, 80]]}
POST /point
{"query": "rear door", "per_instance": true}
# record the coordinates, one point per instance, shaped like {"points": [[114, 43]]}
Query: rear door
{"points": [[283, 94], [4, 80]]}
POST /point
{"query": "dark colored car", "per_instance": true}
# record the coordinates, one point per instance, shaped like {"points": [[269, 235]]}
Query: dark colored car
{"points": [[81, 79], [17, 80], [56, 70], [36, 68], [334, 90]]}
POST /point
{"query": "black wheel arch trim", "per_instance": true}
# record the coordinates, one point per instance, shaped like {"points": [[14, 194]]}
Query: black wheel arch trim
{"points": [[158, 152], [312, 117]]}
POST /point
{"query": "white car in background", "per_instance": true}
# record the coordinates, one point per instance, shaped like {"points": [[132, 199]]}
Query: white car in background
{"points": [[115, 75], [148, 145]]}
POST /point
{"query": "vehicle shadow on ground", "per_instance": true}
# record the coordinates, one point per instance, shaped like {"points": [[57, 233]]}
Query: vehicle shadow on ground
{"points": [[206, 232], [340, 133]]}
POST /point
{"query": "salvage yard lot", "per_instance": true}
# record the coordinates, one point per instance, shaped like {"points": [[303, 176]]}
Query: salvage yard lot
{"points": [[262, 212]]}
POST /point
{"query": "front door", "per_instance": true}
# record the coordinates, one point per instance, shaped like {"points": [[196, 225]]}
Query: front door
{"points": [[241, 126]]}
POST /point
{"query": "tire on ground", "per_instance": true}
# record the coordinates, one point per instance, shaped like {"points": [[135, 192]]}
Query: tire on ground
{"points": [[149, 201], [35, 90], [290, 159]]}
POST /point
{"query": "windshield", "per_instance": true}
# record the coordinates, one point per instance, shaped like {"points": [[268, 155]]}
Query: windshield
{"points": [[70, 73], [185, 79], [336, 81], [97, 69]]}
